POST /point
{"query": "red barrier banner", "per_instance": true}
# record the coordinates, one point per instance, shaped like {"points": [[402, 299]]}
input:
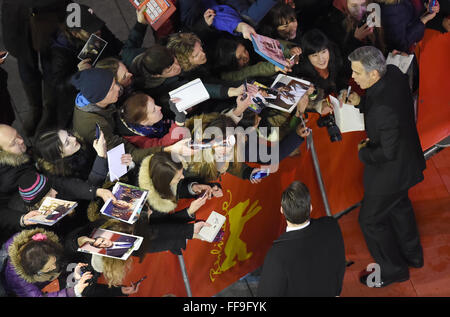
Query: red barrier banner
{"points": [[253, 213]]}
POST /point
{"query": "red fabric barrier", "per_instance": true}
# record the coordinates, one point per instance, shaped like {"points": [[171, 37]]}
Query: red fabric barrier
{"points": [[433, 55], [253, 211]]}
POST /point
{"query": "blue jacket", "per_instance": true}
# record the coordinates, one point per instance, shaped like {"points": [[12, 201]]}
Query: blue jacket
{"points": [[252, 11], [226, 18]]}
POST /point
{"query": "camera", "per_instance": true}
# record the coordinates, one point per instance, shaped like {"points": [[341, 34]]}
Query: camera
{"points": [[89, 268], [330, 123]]}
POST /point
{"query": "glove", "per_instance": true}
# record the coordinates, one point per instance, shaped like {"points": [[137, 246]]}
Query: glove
{"points": [[180, 117]]}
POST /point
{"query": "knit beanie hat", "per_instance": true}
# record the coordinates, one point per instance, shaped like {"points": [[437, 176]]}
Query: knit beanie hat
{"points": [[93, 83], [33, 187], [88, 20]]}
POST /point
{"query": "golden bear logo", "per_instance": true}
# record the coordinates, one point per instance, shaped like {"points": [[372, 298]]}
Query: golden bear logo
{"points": [[235, 247]]}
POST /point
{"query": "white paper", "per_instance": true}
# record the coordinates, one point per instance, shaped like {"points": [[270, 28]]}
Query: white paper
{"points": [[216, 221], [116, 168], [348, 118], [402, 62], [191, 94]]}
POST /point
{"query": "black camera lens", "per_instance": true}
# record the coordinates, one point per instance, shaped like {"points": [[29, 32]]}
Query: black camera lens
{"points": [[332, 129]]}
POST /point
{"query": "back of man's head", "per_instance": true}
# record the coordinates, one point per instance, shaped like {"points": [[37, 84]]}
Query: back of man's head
{"points": [[296, 203]]}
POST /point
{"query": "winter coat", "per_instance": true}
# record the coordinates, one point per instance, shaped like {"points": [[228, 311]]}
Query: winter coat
{"points": [[86, 115], [64, 57], [24, 21], [333, 25], [17, 281], [402, 24], [12, 208], [393, 158], [163, 208], [142, 141], [77, 165], [252, 11]]}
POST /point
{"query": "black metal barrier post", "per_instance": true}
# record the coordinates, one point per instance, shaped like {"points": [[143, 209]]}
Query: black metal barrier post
{"points": [[185, 276], [310, 144]]}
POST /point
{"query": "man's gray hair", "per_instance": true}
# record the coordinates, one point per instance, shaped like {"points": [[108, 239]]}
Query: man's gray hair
{"points": [[371, 58]]}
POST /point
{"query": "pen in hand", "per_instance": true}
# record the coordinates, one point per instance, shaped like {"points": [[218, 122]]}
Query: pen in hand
{"points": [[348, 93]]}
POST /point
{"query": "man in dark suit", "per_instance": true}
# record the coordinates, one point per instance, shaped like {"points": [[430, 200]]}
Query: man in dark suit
{"points": [[309, 258], [394, 162]]}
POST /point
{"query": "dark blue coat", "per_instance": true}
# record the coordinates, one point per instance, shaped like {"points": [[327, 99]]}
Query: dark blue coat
{"points": [[402, 25]]}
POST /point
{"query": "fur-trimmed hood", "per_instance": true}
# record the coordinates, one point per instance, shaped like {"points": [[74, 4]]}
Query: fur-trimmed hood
{"points": [[13, 160], [14, 253], [154, 199]]}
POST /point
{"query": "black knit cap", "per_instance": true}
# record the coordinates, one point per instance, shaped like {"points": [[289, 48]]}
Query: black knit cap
{"points": [[89, 21], [93, 83]]}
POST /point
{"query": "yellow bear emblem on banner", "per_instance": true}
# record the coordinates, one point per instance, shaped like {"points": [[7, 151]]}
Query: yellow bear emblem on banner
{"points": [[235, 247]]}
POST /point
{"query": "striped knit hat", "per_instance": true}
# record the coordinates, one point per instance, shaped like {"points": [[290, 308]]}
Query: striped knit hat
{"points": [[33, 187]]}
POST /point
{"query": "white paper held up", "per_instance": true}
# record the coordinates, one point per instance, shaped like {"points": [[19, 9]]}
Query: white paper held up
{"points": [[216, 221], [190, 94], [348, 118], [402, 62], [115, 166]]}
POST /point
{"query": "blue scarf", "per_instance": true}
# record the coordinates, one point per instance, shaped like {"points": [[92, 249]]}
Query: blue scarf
{"points": [[158, 130]]}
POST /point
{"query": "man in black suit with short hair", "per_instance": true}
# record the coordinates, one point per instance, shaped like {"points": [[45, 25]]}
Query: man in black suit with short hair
{"points": [[309, 258], [394, 162]]}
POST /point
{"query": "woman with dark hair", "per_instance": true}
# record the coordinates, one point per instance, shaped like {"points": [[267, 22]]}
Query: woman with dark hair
{"points": [[322, 65], [164, 179], [281, 23], [36, 258], [60, 153], [234, 63], [345, 24]]}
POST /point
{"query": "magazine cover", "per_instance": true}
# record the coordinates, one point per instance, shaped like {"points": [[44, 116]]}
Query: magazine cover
{"points": [[52, 210], [157, 11], [93, 49], [270, 49], [289, 91], [127, 207], [111, 244]]}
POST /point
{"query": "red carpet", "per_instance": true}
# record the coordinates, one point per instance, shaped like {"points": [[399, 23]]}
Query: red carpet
{"points": [[431, 201]]}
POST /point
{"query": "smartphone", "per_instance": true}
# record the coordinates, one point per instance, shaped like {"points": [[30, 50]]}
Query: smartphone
{"points": [[4, 55], [432, 4], [261, 174], [97, 131], [363, 20]]}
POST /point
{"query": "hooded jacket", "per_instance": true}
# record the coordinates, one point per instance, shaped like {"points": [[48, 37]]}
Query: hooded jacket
{"points": [[20, 283]]}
